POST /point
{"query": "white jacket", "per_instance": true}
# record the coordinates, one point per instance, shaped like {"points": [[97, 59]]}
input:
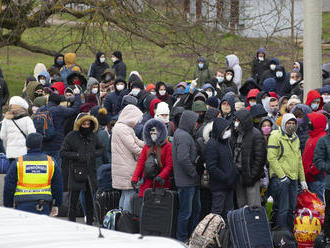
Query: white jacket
{"points": [[13, 139], [233, 62]]}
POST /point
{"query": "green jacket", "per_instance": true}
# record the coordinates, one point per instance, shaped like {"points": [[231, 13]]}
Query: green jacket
{"points": [[204, 74], [284, 156], [322, 158]]}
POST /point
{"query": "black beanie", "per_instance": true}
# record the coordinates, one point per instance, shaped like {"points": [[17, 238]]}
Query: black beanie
{"points": [[55, 98], [118, 55], [34, 141]]}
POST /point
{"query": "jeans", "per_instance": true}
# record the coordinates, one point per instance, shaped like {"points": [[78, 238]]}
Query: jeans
{"points": [[317, 187], [222, 202], [31, 208], [248, 195], [125, 199], [56, 156], [285, 200], [189, 209], [327, 213]]}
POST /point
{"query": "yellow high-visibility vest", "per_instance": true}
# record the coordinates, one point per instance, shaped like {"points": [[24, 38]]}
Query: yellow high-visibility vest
{"points": [[34, 177]]}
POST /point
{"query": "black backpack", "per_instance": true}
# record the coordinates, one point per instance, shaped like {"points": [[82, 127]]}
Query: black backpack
{"points": [[151, 168]]}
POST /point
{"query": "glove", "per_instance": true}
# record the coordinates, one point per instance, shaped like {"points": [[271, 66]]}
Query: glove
{"points": [[76, 90], [134, 185], [304, 185], [54, 211], [159, 180], [284, 179]]}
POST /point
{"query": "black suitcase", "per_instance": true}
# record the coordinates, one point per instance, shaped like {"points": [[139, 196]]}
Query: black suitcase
{"points": [[284, 239], [106, 201], [128, 223], [136, 203], [320, 242], [159, 213]]}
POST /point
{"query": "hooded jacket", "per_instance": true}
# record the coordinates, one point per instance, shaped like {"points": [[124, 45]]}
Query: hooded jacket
{"points": [[233, 62], [269, 73], [60, 87], [204, 74], [97, 68], [39, 67], [119, 66], [184, 151], [125, 147], [252, 149], [56, 65], [82, 79], [252, 94], [259, 67], [249, 84], [4, 92], [311, 96], [229, 84], [70, 61], [283, 87], [81, 151], [46, 75], [319, 122], [269, 85], [284, 154], [113, 100], [219, 158], [165, 157], [229, 97]]}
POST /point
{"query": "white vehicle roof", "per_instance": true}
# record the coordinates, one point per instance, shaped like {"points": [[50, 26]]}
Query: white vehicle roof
{"points": [[28, 230]]}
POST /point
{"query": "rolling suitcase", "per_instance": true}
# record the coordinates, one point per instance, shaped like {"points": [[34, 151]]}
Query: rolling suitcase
{"points": [[320, 242], [136, 203], [249, 228], [159, 213], [106, 201]]}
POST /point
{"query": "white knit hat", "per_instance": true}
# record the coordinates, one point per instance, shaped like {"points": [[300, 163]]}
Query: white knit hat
{"points": [[162, 109], [294, 99], [17, 100]]}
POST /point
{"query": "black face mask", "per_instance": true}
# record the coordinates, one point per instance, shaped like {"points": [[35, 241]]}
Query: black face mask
{"points": [[37, 94], [85, 131]]}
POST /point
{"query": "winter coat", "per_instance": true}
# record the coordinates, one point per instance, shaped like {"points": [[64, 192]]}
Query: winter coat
{"points": [[47, 76], [249, 84], [58, 66], [204, 74], [184, 151], [165, 157], [259, 67], [125, 147], [252, 94], [97, 68], [253, 149], [37, 69], [81, 151], [229, 97], [219, 158], [284, 155], [120, 69], [4, 92], [319, 122], [59, 115], [113, 102], [11, 179], [269, 85], [311, 96], [13, 139], [283, 87], [269, 73], [229, 84], [82, 79], [104, 138], [233, 62], [322, 158]]}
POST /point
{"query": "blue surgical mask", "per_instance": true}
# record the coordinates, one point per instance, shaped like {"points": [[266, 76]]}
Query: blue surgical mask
{"points": [[327, 127], [279, 74], [220, 79], [60, 62], [252, 103], [315, 106], [201, 65]]}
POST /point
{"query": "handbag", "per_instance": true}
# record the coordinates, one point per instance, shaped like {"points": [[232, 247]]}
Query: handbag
{"points": [[19, 129], [151, 168], [80, 174]]}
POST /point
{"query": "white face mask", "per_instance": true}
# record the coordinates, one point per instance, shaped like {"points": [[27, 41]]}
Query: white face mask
{"points": [[292, 81], [236, 124], [153, 137], [315, 106], [226, 134], [153, 93], [252, 103], [114, 59], [229, 77], [261, 58], [279, 74], [326, 99], [162, 92], [42, 81], [209, 93], [120, 87], [135, 91], [272, 67], [95, 90], [263, 101], [163, 119], [102, 60]]}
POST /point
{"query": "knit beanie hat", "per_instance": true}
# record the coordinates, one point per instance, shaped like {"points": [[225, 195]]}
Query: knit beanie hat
{"points": [[150, 87], [162, 109], [17, 100], [118, 55], [199, 106], [294, 99], [34, 141], [213, 101], [40, 101]]}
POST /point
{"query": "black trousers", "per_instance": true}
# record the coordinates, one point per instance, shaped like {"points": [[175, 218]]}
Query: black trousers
{"points": [[74, 198], [327, 213]]}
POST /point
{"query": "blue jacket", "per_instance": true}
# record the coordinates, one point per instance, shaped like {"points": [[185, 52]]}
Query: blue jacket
{"points": [[112, 104], [104, 139], [11, 179], [59, 115], [219, 158]]}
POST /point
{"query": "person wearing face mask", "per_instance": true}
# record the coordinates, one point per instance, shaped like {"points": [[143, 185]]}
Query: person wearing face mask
{"points": [[251, 98], [155, 137], [162, 114], [80, 149], [259, 65], [151, 88], [325, 93], [203, 73], [227, 106], [162, 94], [283, 87], [118, 65], [199, 107], [113, 101], [209, 90], [220, 165], [272, 107], [270, 71], [314, 177], [232, 62], [58, 88], [228, 81], [98, 67], [285, 169], [58, 61], [220, 76], [249, 159], [76, 78], [314, 100], [44, 78], [93, 88]]}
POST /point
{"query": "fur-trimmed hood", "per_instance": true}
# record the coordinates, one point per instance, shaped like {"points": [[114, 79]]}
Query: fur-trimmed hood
{"points": [[84, 117], [161, 129]]}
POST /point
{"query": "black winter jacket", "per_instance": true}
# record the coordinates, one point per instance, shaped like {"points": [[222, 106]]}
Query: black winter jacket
{"points": [[4, 93], [98, 68], [120, 69]]}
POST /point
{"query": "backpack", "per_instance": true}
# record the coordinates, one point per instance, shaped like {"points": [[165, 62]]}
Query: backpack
{"points": [[207, 231], [151, 168], [44, 124], [65, 72]]}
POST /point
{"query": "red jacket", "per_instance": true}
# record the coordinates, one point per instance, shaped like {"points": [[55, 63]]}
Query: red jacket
{"points": [[319, 122], [252, 94], [167, 162], [311, 96]]}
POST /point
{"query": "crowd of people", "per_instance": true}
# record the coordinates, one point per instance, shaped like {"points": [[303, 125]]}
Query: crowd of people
{"points": [[219, 142]]}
